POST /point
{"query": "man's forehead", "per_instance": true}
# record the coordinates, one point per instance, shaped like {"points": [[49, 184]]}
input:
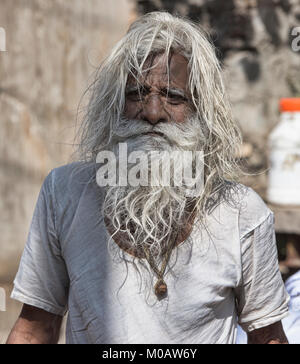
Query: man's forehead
{"points": [[172, 69]]}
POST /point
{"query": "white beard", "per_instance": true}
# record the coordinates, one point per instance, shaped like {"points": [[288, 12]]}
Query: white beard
{"points": [[151, 215]]}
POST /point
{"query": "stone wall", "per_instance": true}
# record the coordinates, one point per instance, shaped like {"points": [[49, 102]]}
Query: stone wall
{"points": [[52, 48]]}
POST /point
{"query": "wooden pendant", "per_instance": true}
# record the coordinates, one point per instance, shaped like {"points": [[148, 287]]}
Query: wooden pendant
{"points": [[160, 289]]}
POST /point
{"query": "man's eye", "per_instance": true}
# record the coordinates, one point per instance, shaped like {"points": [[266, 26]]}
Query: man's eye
{"points": [[133, 95], [136, 95], [175, 98]]}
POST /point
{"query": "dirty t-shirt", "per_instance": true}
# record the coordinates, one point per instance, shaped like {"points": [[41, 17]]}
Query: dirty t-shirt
{"points": [[227, 272]]}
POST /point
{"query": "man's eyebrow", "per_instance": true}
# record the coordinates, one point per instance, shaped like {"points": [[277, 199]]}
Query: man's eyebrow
{"points": [[136, 87], [176, 91], [165, 90]]}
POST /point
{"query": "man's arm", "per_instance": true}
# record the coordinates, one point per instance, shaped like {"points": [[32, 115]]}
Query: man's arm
{"points": [[35, 326], [272, 334]]}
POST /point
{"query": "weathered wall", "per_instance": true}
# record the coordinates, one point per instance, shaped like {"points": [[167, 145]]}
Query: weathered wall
{"points": [[52, 48]]}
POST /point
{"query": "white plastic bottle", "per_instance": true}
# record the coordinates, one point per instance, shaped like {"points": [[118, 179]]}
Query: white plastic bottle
{"points": [[284, 143]]}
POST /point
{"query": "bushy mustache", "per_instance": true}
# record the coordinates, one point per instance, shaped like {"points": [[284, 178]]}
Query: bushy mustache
{"points": [[181, 135]]}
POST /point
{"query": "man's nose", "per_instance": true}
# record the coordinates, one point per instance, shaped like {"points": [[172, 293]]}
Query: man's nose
{"points": [[153, 110]]}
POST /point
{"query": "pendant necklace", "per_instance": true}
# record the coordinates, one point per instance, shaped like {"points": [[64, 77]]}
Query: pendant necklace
{"points": [[160, 288]]}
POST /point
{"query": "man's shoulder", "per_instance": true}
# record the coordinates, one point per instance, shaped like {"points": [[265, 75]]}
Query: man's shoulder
{"points": [[71, 178], [73, 172], [241, 198], [253, 210], [250, 200]]}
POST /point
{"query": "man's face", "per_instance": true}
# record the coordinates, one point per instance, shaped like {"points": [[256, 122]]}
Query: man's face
{"points": [[162, 94]]}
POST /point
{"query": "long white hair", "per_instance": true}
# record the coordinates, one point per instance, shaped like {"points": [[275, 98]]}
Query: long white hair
{"points": [[159, 32], [156, 33]]}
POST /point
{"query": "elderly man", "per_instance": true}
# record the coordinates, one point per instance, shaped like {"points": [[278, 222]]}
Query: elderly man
{"points": [[152, 262]]}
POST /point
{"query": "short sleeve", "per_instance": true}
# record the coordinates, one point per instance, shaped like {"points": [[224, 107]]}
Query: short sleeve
{"points": [[261, 296], [42, 279]]}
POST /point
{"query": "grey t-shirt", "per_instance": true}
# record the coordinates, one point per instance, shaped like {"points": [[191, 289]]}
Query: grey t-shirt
{"points": [[228, 272]]}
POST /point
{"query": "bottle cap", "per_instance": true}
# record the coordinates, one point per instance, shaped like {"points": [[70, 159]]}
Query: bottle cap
{"points": [[290, 105]]}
